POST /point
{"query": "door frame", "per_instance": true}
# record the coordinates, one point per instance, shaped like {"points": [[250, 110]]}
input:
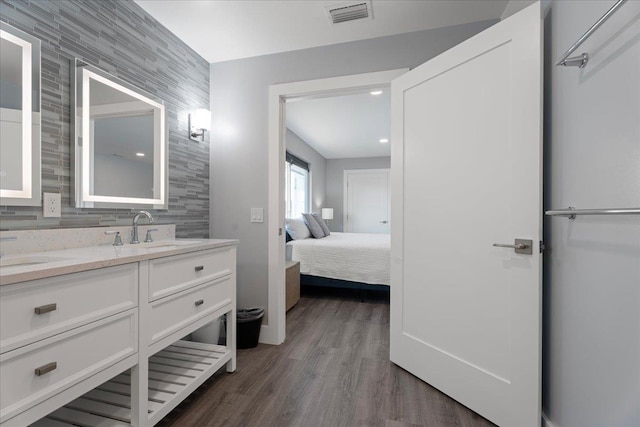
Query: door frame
{"points": [[345, 197], [273, 331]]}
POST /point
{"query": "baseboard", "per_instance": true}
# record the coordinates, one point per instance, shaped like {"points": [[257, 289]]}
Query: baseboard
{"points": [[268, 335], [545, 421]]}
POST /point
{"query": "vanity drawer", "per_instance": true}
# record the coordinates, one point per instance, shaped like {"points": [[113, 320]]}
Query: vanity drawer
{"points": [[177, 311], [173, 274], [36, 372], [64, 302]]}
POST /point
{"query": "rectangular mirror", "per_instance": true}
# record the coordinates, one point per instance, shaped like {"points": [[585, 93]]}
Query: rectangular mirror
{"points": [[19, 118], [119, 142]]}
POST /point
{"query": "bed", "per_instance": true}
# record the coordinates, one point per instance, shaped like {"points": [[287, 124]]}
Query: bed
{"points": [[347, 260]]}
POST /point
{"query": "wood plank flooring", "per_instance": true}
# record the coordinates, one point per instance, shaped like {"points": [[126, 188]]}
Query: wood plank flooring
{"points": [[333, 370]]}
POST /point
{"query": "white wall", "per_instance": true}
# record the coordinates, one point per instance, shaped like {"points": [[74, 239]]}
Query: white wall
{"points": [[591, 338], [239, 140], [335, 183], [317, 165]]}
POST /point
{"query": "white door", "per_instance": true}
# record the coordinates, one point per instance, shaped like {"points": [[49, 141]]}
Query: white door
{"points": [[366, 201], [466, 173]]}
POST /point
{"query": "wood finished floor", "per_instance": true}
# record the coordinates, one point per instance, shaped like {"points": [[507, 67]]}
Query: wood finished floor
{"points": [[333, 370]]}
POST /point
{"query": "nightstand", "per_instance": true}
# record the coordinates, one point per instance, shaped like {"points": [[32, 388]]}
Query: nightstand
{"points": [[293, 284]]}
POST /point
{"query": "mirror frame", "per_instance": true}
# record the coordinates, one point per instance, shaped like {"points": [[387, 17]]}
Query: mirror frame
{"points": [[82, 146], [31, 120]]}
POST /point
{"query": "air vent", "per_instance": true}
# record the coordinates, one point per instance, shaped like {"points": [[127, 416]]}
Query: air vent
{"points": [[351, 11]]}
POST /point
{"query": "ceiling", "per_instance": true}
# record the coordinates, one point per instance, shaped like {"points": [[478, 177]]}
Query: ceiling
{"points": [[336, 127], [343, 126], [224, 30]]}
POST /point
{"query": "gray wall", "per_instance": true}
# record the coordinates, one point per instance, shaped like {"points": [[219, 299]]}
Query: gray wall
{"points": [[515, 6], [117, 176], [239, 106], [591, 339], [335, 183], [318, 165], [122, 39]]}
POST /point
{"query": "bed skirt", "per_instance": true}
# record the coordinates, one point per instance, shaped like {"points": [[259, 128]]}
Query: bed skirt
{"points": [[327, 282]]}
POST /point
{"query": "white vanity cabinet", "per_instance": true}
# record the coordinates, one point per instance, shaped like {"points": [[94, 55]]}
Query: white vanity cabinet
{"points": [[107, 347], [62, 336], [182, 294]]}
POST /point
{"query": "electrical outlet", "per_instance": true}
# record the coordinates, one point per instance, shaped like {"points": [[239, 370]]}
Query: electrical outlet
{"points": [[51, 205]]}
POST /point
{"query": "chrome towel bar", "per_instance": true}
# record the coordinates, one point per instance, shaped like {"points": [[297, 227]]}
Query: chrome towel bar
{"points": [[572, 212], [581, 60]]}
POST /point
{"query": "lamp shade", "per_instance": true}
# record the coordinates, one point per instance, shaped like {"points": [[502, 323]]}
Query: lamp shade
{"points": [[327, 213], [201, 119]]}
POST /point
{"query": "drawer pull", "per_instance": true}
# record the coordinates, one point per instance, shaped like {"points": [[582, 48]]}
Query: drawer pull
{"points": [[45, 308], [200, 268], [46, 368], [199, 302]]}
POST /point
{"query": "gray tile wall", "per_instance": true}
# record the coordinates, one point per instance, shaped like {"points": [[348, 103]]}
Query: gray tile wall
{"points": [[122, 39]]}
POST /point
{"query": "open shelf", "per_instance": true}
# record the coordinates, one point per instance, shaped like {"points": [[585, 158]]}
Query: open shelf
{"points": [[174, 373]]}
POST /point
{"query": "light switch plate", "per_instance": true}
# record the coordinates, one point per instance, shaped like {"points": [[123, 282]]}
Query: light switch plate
{"points": [[51, 205], [257, 215]]}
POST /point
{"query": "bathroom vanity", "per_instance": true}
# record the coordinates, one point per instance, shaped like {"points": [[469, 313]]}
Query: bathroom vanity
{"points": [[94, 335], [91, 333]]}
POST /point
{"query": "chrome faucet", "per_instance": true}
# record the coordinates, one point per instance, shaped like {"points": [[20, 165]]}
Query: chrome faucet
{"points": [[134, 238], [7, 239]]}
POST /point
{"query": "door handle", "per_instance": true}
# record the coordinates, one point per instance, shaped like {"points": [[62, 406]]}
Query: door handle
{"points": [[521, 246], [383, 222], [518, 246]]}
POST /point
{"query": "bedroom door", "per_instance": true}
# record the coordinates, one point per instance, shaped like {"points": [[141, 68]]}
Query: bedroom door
{"points": [[467, 175], [366, 201]]}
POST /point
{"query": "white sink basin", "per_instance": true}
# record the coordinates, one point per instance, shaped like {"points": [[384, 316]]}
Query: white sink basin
{"points": [[167, 243], [28, 260]]}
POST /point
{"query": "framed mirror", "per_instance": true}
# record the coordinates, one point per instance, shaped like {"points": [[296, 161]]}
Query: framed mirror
{"points": [[19, 118], [119, 142]]}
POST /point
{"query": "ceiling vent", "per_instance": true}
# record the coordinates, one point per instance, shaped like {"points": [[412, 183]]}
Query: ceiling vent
{"points": [[350, 11]]}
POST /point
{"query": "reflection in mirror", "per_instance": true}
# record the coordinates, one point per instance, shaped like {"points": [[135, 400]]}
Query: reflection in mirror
{"points": [[19, 117], [120, 143]]}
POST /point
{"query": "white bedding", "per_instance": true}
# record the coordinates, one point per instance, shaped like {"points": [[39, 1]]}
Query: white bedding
{"points": [[357, 257]]}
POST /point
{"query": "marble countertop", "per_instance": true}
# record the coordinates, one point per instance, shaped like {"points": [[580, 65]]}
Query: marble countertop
{"points": [[41, 265]]}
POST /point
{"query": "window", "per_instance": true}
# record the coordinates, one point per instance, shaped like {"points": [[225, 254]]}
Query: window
{"points": [[297, 191]]}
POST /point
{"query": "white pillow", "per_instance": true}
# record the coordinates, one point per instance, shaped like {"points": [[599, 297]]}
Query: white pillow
{"points": [[297, 228]]}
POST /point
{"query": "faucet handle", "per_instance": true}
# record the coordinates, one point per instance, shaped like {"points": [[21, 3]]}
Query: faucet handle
{"points": [[148, 238], [118, 240]]}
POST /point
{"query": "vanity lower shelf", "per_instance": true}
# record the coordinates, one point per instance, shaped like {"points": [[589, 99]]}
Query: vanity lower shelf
{"points": [[174, 373]]}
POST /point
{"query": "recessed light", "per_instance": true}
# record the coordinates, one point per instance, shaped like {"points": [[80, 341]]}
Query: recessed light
{"points": [[140, 154], [376, 92], [384, 141]]}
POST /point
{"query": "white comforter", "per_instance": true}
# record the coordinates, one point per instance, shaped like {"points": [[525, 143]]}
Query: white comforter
{"points": [[358, 257]]}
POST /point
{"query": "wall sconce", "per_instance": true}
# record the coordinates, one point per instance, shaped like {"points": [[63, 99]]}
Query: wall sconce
{"points": [[199, 122], [327, 213]]}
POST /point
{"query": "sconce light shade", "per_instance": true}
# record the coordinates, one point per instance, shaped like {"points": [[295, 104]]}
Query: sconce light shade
{"points": [[199, 122], [327, 213]]}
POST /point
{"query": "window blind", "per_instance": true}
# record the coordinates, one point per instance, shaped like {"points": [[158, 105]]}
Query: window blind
{"points": [[297, 161]]}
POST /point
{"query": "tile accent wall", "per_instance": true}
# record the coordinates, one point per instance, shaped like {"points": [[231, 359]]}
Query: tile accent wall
{"points": [[124, 40]]}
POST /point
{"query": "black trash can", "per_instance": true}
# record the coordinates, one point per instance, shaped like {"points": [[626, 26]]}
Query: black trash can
{"points": [[248, 321]]}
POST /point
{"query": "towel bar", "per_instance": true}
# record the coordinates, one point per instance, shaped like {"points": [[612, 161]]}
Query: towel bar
{"points": [[572, 212], [581, 60]]}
